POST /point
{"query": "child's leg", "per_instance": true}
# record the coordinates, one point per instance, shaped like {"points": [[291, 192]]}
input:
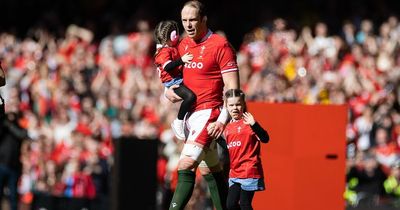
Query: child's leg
{"points": [[188, 99], [246, 198], [232, 202]]}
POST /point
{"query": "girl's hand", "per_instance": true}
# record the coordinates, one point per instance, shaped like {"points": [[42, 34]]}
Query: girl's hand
{"points": [[186, 58], [248, 119]]}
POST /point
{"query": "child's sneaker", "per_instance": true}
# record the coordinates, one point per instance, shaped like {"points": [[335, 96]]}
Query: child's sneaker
{"points": [[177, 127]]}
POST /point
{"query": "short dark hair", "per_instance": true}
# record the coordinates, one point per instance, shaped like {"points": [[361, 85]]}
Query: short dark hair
{"points": [[198, 5]]}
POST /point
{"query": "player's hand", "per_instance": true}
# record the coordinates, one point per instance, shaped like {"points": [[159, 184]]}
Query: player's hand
{"points": [[171, 95], [248, 118], [215, 129], [186, 58]]}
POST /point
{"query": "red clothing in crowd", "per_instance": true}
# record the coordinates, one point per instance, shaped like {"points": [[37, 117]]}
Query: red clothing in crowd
{"points": [[80, 186]]}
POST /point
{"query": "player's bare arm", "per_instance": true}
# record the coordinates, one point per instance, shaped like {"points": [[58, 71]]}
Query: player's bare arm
{"points": [[231, 81]]}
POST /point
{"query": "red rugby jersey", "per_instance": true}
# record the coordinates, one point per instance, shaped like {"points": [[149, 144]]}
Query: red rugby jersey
{"points": [[165, 56], [244, 151], [212, 57]]}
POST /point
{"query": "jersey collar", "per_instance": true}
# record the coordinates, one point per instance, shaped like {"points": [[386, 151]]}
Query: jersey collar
{"points": [[205, 37], [233, 120], [209, 32]]}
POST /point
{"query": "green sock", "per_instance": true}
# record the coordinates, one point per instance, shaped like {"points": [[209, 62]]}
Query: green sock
{"points": [[184, 189], [218, 189]]}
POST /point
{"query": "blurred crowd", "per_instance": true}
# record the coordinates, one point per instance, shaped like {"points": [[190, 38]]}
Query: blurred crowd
{"points": [[359, 67], [74, 95]]}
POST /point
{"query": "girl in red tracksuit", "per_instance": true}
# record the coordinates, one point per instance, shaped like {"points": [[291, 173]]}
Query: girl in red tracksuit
{"points": [[243, 136]]}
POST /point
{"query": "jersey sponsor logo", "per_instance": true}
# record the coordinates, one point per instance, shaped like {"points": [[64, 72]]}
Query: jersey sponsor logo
{"points": [[194, 65], [234, 144]]}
